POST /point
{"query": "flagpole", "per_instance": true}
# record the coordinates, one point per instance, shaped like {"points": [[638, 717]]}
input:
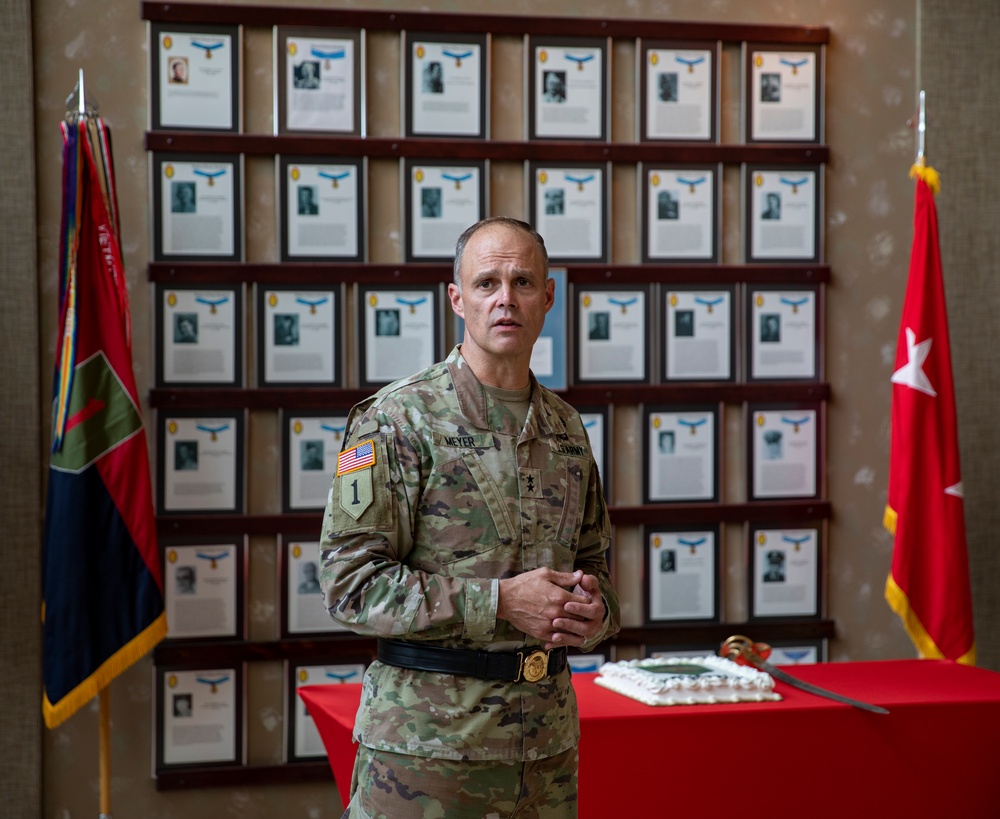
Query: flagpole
{"points": [[82, 102], [104, 731], [103, 696], [921, 129]]}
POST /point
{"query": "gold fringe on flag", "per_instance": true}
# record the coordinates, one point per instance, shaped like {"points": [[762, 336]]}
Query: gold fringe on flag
{"points": [[921, 170], [889, 520]]}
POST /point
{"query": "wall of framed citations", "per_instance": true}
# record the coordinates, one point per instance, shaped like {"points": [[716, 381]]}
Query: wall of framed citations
{"points": [[305, 200]]}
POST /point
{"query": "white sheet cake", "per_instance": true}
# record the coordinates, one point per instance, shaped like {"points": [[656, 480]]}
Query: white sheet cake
{"points": [[687, 681]]}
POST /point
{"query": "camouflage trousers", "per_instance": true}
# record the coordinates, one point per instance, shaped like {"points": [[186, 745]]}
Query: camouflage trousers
{"points": [[399, 786]]}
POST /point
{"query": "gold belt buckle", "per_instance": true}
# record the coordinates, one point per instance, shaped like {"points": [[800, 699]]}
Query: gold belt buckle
{"points": [[534, 667]]}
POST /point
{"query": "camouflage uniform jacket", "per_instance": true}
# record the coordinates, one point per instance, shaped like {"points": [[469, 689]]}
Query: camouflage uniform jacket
{"points": [[414, 544]]}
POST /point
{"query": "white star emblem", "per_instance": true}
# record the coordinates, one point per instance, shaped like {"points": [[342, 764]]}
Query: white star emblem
{"points": [[912, 374]]}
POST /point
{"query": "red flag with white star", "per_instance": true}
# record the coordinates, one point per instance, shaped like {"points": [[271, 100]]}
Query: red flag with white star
{"points": [[928, 586]]}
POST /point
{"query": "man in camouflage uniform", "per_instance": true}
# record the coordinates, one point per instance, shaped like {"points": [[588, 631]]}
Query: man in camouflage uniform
{"points": [[467, 530]]}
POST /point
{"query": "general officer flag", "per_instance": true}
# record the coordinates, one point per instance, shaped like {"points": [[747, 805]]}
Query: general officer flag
{"points": [[102, 590], [928, 586]]}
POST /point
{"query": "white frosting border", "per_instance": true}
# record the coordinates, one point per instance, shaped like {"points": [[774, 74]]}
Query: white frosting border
{"points": [[731, 682]]}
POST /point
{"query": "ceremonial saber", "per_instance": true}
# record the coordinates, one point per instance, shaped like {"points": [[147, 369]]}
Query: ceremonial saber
{"points": [[743, 650]]}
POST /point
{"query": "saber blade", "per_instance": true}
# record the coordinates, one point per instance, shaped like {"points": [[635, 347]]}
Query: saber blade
{"points": [[741, 649]]}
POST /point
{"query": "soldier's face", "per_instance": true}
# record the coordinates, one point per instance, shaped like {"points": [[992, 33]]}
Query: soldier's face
{"points": [[504, 296]]}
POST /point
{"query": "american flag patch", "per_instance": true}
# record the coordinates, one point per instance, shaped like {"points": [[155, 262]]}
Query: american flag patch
{"points": [[356, 458]]}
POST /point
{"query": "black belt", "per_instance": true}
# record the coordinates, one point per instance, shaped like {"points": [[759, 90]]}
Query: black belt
{"points": [[513, 666]]}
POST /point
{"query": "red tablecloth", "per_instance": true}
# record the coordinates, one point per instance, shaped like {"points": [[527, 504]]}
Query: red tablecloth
{"points": [[935, 755]]}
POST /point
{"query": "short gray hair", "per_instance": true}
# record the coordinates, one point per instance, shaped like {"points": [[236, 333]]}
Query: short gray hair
{"points": [[509, 221]]}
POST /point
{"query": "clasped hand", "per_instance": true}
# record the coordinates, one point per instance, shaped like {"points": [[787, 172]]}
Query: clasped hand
{"points": [[540, 604]]}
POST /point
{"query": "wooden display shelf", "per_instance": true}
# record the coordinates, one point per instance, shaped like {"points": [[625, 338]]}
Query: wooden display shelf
{"points": [[424, 273], [756, 511], [201, 142], [498, 24]]}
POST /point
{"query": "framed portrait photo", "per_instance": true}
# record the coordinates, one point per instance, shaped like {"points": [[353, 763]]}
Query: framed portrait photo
{"points": [[199, 716], [567, 81], [678, 90], [310, 443], [303, 741], [784, 93], [303, 611], [698, 336], [682, 573], [680, 213], [197, 207], [204, 584], [784, 572], [797, 652], [569, 205], [321, 210], [783, 213], [319, 83], [550, 355], [612, 330], [681, 453], [440, 200], [446, 84], [400, 331], [597, 419], [784, 452], [195, 80], [200, 462], [199, 335], [784, 332], [299, 333]]}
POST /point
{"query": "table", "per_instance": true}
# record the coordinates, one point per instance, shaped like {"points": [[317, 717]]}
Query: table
{"points": [[934, 755]]}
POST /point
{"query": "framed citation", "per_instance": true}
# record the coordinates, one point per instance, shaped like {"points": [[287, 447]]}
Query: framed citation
{"points": [[784, 451], [400, 331], [682, 453], [676, 650], [197, 207], [698, 338], [586, 663], [199, 335], [303, 610], [200, 462], [445, 84], [678, 91], [319, 85], [310, 442], [612, 330], [567, 81], [597, 422], [203, 585], [199, 716], [783, 213], [303, 739], [569, 205], [784, 572], [784, 333], [549, 356], [299, 336], [194, 77], [321, 214], [784, 93], [440, 200], [797, 652], [682, 573], [680, 215]]}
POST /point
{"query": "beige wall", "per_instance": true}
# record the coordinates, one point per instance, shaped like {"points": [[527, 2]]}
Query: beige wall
{"points": [[871, 88]]}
